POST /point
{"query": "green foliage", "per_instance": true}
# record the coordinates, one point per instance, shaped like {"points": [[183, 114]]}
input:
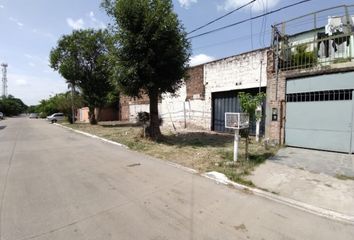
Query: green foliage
{"points": [[58, 103], [11, 106], [112, 99], [249, 103], [82, 59], [303, 58], [32, 109], [149, 50]]}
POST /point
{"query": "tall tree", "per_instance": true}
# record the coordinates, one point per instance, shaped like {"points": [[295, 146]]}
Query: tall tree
{"points": [[82, 59], [61, 102], [12, 106], [151, 51]]}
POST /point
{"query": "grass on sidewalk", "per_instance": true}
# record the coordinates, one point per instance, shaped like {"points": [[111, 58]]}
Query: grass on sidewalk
{"points": [[201, 150]]}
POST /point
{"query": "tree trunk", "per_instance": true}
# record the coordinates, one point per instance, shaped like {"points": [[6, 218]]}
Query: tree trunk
{"points": [[154, 129], [98, 114], [92, 116]]}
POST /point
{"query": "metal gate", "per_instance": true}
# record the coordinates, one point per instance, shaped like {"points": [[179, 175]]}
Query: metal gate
{"points": [[319, 112], [229, 102]]}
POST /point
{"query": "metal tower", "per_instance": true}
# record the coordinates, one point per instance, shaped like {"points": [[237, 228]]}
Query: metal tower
{"points": [[4, 79]]}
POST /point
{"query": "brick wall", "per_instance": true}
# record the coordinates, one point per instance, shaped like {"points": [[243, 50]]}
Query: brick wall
{"points": [[276, 93], [108, 114], [191, 106], [172, 108], [195, 83], [126, 101]]}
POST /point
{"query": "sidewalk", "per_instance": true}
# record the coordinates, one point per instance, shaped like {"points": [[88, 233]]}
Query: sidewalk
{"points": [[313, 186]]}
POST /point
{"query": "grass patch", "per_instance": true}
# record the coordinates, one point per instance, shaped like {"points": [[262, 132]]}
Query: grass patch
{"points": [[344, 177], [201, 150]]}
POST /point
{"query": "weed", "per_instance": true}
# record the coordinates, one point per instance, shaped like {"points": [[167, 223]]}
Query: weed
{"points": [[344, 177], [203, 151]]}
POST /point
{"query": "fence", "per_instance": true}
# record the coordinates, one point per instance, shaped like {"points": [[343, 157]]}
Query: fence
{"points": [[315, 40]]}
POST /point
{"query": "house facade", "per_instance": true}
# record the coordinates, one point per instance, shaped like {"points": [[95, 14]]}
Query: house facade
{"points": [[311, 83], [307, 74], [210, 90]]}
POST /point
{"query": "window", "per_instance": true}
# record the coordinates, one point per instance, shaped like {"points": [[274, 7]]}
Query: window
{"points": [[329, 95]]}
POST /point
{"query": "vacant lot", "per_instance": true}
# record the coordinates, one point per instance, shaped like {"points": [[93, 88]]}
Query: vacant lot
{"points": [[201, 150]]}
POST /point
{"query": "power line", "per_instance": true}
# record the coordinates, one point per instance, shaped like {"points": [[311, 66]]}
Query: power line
{"points": [[248, 19], [225, 15], [232, 40]]}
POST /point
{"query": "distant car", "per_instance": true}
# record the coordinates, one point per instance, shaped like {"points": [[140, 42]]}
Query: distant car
{"points": [[1, 115], [33, 115], [55, 117]]}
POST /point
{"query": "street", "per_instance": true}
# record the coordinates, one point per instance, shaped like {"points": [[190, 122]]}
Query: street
{"points": [[56, 184]]}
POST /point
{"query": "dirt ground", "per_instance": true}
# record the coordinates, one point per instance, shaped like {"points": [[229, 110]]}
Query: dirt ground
{"points": [[201, 150]]}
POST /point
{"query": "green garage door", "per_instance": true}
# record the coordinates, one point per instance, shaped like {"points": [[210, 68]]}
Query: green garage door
{"points": [[319, 112]]}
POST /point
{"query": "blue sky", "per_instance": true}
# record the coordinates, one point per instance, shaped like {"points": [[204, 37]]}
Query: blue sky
{"points": [[29, 29]]}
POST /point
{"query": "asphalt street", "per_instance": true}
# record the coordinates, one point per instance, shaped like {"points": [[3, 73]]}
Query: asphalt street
{"points": [[57, 184]]}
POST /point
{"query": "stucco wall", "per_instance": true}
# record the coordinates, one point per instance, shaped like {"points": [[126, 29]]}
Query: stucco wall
{"points": [[248, 70], [191, 106]]}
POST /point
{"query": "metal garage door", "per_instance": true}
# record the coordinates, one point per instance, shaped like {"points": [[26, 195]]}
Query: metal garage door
{"points": [[319, 112], [229, 102]]}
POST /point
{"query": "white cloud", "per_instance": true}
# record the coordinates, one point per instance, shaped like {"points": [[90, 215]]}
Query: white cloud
{"points": [[75, 24], [92, 16], [95, 22], [2, 6], [19, 24], [186, 3], [31, 64], [256, 6], [21, 82], [31, 89], [200, 59]]}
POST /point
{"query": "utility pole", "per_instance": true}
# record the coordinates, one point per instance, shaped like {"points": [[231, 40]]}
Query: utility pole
{"points": [[4, 79]]}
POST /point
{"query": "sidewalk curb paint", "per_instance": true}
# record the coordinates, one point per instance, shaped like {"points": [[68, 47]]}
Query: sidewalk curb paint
{"points": [[258, 192]]}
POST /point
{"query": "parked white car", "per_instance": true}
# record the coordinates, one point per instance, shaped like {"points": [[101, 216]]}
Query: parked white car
{"points": [[55, 117], [33, 115]]}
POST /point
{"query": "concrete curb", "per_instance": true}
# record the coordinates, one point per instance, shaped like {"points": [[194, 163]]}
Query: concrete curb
{"points": [[261, 193], [92, 136], [289, 202]]}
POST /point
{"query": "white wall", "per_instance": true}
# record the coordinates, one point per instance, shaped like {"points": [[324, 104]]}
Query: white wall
{"points": [[134, 109], [244, 71], [233, 73], [172, 109]]}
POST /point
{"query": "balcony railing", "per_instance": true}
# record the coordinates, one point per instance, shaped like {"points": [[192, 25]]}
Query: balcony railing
{"points": [[318, 39], [320, 52]]}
